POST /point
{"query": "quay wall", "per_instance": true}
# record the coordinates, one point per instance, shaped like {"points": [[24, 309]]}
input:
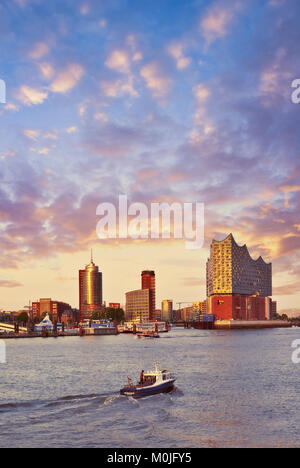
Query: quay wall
{"points": [[248, 324], [95, 332]]}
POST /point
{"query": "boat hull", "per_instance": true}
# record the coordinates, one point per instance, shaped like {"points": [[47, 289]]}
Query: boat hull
{"points": [[146, 335], [147, 391]]}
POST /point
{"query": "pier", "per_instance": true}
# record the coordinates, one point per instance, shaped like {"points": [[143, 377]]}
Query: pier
{"points": [[9, 332]]}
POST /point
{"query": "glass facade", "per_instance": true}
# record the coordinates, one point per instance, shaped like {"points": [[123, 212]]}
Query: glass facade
{"points": [[231, 270], [148, 282], [90, 291], [138, 305]]}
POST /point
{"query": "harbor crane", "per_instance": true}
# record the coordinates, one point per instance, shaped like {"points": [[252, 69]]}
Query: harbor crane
{"points": [[184, 302]]}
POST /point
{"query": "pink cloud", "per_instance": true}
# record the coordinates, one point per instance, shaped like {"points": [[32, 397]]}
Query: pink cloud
{"points": [[67, 79], [31, 96], [156, 80], [216, 21]]}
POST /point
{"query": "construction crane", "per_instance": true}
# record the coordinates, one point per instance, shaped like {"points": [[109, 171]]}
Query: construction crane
{"points": [[184, 302]]}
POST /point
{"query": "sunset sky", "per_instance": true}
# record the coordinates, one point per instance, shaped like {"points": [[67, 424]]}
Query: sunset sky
{"points": [[162, 100]]}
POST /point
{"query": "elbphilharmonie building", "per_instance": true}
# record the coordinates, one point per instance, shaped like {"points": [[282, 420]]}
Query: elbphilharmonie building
{"points": [[238, 287], [231, 270]]}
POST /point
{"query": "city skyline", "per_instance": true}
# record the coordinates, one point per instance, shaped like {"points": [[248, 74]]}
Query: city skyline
{"points": [[182, 102], [225, 250]]}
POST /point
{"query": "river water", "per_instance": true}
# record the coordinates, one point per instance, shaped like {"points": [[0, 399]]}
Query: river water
{"points": [[233, 389]]}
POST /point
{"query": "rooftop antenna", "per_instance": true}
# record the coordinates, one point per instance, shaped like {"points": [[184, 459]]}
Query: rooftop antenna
{"points": [[92, 260]]}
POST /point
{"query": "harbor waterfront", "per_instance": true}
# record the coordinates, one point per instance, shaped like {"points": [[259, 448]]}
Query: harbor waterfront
{"points": [[234, 388]]}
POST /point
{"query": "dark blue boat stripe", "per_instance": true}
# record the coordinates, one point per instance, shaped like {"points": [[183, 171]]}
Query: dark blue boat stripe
{"points": [[148, 390]]}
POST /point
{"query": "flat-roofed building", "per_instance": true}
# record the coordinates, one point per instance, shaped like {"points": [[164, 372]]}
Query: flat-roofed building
{"points": [[200, 307], [47, 306], [188, 314], [167, 310], [148, 282], [138, 305], [274, 309]]}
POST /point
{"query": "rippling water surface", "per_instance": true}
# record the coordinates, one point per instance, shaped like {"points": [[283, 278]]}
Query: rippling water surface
{"points": [[233, 389]]}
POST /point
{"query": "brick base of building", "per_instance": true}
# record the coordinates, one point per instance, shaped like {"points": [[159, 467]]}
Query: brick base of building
{"points": [[238, 307]]}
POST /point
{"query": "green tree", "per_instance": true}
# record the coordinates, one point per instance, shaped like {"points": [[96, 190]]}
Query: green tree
{"points": [[109, 313], [22, 317]]}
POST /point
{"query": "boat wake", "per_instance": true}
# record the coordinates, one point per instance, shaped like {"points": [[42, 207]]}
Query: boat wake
{"points": [[77, 403]]}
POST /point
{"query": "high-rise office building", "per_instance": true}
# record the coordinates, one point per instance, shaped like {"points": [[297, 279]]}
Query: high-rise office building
{"points": [[138, 305], [148, 282], [167, 310], [237, 286], [90, 290]]}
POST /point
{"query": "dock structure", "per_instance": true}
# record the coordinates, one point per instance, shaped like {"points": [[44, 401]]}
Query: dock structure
{"points": [[9, 333], [9, 327], [250, 324]]}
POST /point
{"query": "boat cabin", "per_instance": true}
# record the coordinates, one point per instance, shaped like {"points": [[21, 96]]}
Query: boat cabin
{"points": [[156, 376]]}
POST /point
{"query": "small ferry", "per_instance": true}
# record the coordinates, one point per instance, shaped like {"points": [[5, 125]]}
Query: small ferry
{"points": [[151, 383], [147, 334]]}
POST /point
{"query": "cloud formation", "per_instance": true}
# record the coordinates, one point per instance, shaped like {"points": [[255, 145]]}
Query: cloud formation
{"points": [[30, 96], [156, 80], [10, 284], [216, 21], [197, 111]]}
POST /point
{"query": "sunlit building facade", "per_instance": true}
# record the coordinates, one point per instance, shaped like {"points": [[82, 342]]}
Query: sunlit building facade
{"points": [[238, 287], [90, 291], [167, 310], [231, 270], [46, 306], [200, 307], [188, 314], [148, 282], [138, 305]]}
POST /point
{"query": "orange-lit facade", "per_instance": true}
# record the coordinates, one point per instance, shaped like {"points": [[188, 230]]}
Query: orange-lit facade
{"points": [[238, 287], [167, 310], [138, 305], [90, 291], [238, 307], [148, 282], [46, 306]]}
